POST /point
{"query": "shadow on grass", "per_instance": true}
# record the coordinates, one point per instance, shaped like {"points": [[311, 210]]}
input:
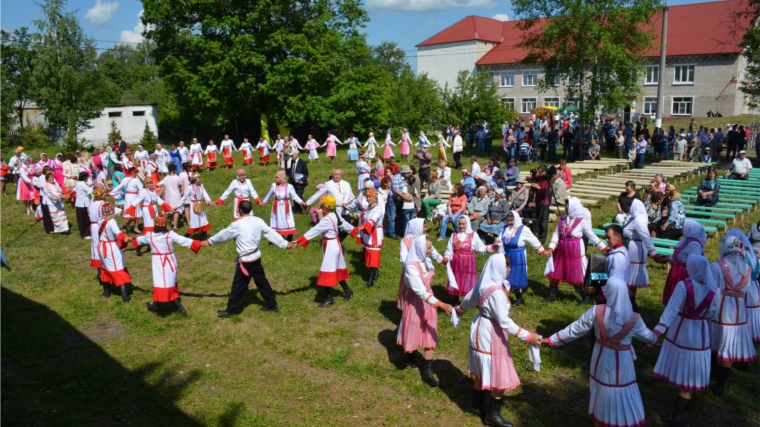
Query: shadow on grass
{"points": [[390, 311], [54, 375], [396, 356]]}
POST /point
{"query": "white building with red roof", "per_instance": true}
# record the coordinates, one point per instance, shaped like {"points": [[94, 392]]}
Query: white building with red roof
{"points": [[703, 68]]}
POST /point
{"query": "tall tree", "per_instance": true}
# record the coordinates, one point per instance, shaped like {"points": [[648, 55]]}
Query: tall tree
{"points": [[415, 101], [391, 57], [66, 80], [473, 98], [280, 57], [17, 68], [596, 46], [751, 42]]}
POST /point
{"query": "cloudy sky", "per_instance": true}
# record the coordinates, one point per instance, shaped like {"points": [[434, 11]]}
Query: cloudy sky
{"points": [[406, 22]]}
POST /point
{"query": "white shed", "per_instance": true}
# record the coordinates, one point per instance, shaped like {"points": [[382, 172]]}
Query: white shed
{"points": [[130, 119]]}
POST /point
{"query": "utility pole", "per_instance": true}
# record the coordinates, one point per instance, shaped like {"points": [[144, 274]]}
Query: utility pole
{"points": [[661, 73]]}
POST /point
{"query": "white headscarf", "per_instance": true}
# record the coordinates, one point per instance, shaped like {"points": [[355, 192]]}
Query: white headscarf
{"points": [[694, 229], [575, 209], [493, 274], [517, 222], [417, 251], [468, 227], [749, 251], [732, 251], [638, 209], [415, 228], [619, 309], [698, 268]]}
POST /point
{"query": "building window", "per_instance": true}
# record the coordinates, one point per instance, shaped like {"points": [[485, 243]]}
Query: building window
{"points": [[529, 78], [551, 102], [138, 113], [652, 74], [527, 104], [683, 106], [507, 79], [650, 105], [684, 74], [573, 79], [572, 101], [508, 103], [114, 114]]}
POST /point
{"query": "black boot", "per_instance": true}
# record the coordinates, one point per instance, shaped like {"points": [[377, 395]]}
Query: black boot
{"points": [[347, 292], [328, 297], [634, 306], [493, 416], [371, 280], [125, 294], [106, 290], [519, 300], [411, 360], [586, 298], [679, 414], [178, 305], [478, 403], [152, 307], [427, 374], [552, 295], [721, 374]]}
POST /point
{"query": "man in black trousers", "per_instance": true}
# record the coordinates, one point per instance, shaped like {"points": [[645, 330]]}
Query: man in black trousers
{"points": [[298, 175], [247, 232]]}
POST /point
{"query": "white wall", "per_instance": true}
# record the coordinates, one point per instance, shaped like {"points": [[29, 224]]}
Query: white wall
{"points": [[130, 125], [442, 62]]}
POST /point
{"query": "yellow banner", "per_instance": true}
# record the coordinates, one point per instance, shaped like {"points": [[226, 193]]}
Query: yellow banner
{"points": [[283, 130], [264, 128]]}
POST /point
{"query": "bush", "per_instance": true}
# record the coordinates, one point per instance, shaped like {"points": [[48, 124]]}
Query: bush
{"points": [[70, 142], [33, 136], [148, 139]]}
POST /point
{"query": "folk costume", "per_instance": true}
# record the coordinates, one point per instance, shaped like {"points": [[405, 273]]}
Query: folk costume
{"points": [[353, 150], [371, 145], [81, 203], [692, 243], [53, 198], [388, 152], [363, 169], [164, 263], [442, 146], [414, 229], [162, 159], [129, 188], [93, 213], [640, 246], [211, 152], [313, 145], [615, 397], [111, 241], [281, 218], [371, 234], [247, 149], [405, 142], [247, 233], [141, 157], [489, 357], [199, 199], [731, 340], [196, 155], [684, 359], [618, 263], [753, 289], [340, 191], [149, 202], [264, 147], [228, 146], [460, 251], [331, 147], [242, 190], [333, 270], [512, 242]]}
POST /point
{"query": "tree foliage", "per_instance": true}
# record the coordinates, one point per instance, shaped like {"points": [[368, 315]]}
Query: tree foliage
{"points": [[600, 43], [17, 68], [148, 140], [473, 98], [751, 43], [115, 133], [66, 80]]}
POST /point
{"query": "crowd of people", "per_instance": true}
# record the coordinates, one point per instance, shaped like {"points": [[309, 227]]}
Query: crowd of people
{"points": [[702, 300]]}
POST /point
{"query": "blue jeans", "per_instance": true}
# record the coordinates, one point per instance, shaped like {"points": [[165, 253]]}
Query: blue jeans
{"points": [[407, 215], [445, 224], [640, 160], [390, 214], [481, 149]]}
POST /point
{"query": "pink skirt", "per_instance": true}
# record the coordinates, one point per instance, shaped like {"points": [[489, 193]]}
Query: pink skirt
{"points": [[388, 153], [568, 262], [404, 148], [419, 324], [25, 191], [677, 274], [330, 149], [465, 270], [503, 373]]}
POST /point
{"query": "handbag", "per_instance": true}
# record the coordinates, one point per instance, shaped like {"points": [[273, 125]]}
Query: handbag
{"points": [[199, 207]]}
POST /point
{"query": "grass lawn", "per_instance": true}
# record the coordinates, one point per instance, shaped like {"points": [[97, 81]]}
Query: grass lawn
{"points": [[72, 358]]}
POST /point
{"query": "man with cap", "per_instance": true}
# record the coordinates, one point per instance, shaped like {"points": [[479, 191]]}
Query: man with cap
{"points": [[243, 190], [298, 175], [336, 187], [247, 233], [740, 167]]}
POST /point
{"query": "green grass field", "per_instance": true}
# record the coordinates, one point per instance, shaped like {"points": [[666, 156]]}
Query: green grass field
{"points": [[72, 358]]}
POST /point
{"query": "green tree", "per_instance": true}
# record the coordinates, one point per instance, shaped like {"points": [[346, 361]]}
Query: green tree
{"points": [[391, 57], [750, 85], [115, 133], [473, 98], [148, 140], [596, 46], [227, 64], [17, 68], [67, 83], [415, 101]]}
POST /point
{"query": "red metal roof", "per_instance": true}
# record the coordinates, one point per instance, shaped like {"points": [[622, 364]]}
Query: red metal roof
{"points": [[693, 29], [467, 29]]}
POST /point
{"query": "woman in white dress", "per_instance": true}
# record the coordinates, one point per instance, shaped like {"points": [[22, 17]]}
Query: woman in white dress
{"points": [[753, 293], [281, 219], [371, 146], [615, 397], [489, 359], [640, 248], [731, 339], [111, 241], [199, 200], [148, 202], [685, 355], [363, 169], [54, 200], [196, 154]]}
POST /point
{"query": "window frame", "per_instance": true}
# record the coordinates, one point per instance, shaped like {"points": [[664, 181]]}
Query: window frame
{"points": [[504, 74], [138, 113], [651, 68], [673, 104], [522, 99], [677, 67], [559, 101], [503, 102], [112, 114], [526, 73], [644, 103]]}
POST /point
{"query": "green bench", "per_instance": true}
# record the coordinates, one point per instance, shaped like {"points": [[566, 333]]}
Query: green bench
{"points": [[718, 209], [660, 250], [709, 214], [722, 205]]}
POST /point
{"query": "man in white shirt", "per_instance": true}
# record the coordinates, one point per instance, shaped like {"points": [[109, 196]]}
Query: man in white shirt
{"points": [[247, 233], [142, 156], [243, 190], [740, 167], [680, 148], [339, 189], [162, 158], [458, 149]]}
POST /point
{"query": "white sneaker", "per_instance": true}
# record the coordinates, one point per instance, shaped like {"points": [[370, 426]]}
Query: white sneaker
{"points": [[87, 238]]}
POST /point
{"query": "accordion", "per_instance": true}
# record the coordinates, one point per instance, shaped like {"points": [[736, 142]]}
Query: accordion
{"points": [[596, 274]]}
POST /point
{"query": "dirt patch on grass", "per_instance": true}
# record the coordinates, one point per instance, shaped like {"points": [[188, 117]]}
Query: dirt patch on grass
{"points": [[101, 333]]}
